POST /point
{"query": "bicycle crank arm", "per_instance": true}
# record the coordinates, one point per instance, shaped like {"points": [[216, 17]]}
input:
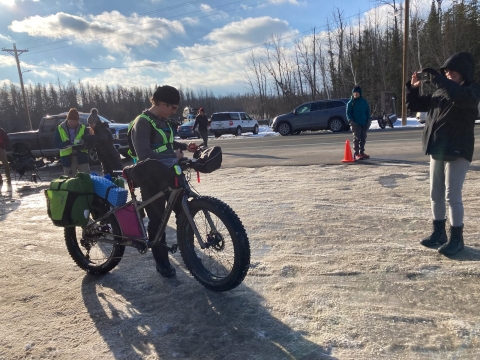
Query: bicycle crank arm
{"points": [[139, 244]]}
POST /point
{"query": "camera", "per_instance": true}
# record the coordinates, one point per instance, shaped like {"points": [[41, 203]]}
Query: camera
{"points": [[423, 76]]}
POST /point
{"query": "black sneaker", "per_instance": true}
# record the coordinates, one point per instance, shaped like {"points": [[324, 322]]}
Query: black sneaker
{"points": [[166, 271]]}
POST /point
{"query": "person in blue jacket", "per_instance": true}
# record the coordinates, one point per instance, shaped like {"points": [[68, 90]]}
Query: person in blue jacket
{"points": [[358, 114], [69, 138]]}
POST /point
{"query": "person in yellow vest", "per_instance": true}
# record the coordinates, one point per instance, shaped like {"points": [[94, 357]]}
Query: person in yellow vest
{"points": [[150, 136], [69, 139]]}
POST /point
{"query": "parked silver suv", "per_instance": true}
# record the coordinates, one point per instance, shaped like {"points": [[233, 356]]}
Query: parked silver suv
{"points": [[314, 115], [232, 122]]}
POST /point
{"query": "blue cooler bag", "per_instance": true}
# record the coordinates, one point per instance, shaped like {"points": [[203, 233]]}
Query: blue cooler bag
{"points": [[109, 191]]}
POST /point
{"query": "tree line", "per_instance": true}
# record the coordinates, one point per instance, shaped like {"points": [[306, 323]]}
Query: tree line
{"points": [[365, 51]]}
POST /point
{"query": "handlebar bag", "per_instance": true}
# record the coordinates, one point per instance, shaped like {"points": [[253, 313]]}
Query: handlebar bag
{"points": [[151, 174], [69, 200], [208, 160]]}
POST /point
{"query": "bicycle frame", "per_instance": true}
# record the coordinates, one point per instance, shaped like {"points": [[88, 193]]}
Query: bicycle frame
{"points": [[142, 244]]}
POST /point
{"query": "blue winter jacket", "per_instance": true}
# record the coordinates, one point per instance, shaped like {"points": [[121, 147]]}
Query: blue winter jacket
{"points": [[358, 110]]}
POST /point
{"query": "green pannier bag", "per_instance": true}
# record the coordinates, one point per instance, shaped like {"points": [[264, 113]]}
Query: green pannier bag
{"points": [[69, 200]]}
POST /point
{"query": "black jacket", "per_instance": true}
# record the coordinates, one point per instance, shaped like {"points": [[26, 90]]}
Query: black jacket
{"points": [[452, 110], [202, 122], [103, 142]]}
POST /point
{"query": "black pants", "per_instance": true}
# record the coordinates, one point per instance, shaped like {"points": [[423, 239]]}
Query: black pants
{"points": [[155, 212]]}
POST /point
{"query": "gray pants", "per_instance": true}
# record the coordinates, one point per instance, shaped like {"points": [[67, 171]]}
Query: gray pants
{"points": [[4, 161], [446, 183], [359, 137], [204, 135], [76, 167]]}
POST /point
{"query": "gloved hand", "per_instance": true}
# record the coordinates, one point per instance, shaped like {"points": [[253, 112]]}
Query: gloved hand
{"points": [[192, 147], [431, 71], [67, 142]]}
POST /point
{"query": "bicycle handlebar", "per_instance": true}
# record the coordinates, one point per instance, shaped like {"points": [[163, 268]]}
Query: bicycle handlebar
{"points": [[186, 163]]}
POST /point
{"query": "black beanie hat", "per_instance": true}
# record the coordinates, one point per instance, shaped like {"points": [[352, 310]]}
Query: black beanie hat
{"points": [[94, 111], [357, 89], [167, 94]]}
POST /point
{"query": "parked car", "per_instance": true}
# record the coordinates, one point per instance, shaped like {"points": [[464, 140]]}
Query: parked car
{"points": [[421, 117], [186, 130], [313, 115], [40, 142], [232, 122]]}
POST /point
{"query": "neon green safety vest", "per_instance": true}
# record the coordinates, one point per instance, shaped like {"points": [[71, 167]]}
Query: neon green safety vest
{"points": [[64, 137], [166, 141]]}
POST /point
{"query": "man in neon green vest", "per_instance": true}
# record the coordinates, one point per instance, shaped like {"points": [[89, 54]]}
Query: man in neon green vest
{"points": [[150, 136], [69, 139]]}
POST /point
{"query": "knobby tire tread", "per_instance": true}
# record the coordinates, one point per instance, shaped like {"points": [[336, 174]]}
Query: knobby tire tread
{"points": [[73, 247], [238, 236]]}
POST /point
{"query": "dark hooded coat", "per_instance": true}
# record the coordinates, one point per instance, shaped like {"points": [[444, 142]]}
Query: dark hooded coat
{"points": [[452, 110], [102, 140]]}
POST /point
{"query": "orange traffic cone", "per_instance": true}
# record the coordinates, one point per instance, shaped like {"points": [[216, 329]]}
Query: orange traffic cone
{"points": [[347, 157]]}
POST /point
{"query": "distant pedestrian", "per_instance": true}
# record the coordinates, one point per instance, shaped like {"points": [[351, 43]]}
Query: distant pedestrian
{"points": [[101, 138], [448, 137], [69, 138], [358, 115], [202, 122], [4, 145]]}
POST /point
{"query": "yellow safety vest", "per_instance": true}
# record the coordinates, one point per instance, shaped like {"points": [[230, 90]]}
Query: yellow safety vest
{"points": [[64, 137], [166, 141]]}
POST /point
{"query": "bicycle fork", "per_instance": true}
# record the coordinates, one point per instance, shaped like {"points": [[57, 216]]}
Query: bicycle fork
{"points": [[184, 202]]}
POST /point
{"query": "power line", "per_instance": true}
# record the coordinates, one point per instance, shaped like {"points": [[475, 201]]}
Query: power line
{"points": [[174, 61], [186, 60]]}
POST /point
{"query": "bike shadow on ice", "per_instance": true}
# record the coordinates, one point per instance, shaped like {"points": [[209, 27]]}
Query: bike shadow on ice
{"points": [[139, 314]]}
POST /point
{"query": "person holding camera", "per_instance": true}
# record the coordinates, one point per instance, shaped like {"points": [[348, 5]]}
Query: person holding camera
{"points": [[358, 115], [448, 137]]}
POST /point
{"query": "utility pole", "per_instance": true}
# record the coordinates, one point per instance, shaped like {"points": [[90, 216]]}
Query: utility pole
{"points": [[15, 53], [405, 62], [314, 97]]}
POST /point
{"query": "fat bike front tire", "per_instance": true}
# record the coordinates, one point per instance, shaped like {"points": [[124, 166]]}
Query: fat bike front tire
{"points": [[224, 263], [93, 256]]}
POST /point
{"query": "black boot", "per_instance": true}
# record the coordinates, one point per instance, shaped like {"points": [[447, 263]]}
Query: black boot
{"points": [[455, 243], [438, 237], [160, 254]]}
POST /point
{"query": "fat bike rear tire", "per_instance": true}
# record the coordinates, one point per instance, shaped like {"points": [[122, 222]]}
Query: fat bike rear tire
{"points": [[381, 122], [224, 263], [93, 256]]}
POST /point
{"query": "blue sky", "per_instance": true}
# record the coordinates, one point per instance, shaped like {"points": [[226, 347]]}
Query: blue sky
{"points": [[184, 43]]}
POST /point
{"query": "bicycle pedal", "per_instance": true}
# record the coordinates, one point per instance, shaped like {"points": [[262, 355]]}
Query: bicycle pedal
{"points": [[173, 249], [141, 246]]}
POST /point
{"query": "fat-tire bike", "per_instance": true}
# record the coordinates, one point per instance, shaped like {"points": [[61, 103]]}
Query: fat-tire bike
{"points": [[211, 238], [383, 120]]}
